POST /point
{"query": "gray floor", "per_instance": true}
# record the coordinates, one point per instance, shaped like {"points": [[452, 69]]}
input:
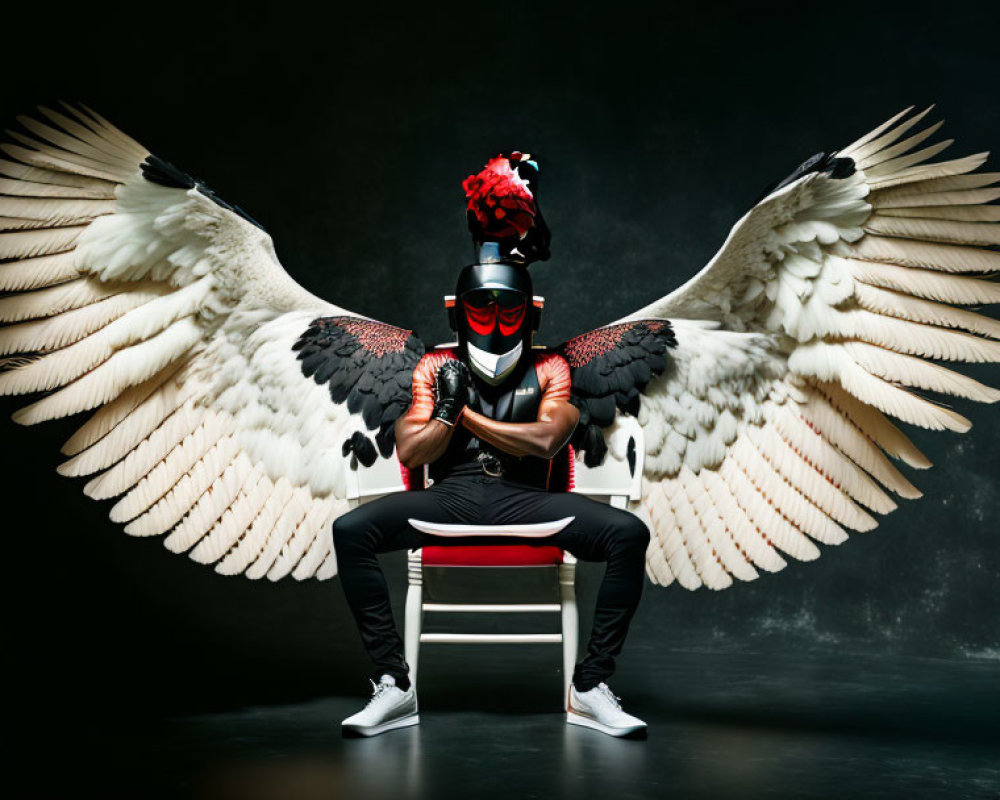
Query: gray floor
{"points": [[820, 724]]}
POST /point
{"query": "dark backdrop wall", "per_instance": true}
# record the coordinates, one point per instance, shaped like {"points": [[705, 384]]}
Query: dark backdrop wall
{"points": [[347, 136]]}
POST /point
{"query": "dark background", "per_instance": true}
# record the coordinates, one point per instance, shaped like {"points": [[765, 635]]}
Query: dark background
{"points": [[347, 134]]}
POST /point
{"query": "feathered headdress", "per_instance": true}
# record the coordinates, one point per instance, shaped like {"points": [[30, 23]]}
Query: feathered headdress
{"points": [[503, 208]]}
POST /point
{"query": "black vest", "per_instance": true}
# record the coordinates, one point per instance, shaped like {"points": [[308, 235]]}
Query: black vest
{"points": [[515, 400]]}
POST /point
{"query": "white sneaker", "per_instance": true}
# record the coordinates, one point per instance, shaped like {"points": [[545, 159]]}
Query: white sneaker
{"points": [[600, 709], [389, 708]]}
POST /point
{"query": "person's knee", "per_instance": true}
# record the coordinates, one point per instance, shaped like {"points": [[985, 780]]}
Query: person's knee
{"points": [[349, 533], [633, 533]]}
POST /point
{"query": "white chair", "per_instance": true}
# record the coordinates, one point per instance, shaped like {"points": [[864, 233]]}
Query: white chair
{"points": [[616, 482]]}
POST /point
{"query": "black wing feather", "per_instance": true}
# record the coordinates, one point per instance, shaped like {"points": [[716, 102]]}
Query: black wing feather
{"points": [[157, 170], [369, 366], [610, 368]]}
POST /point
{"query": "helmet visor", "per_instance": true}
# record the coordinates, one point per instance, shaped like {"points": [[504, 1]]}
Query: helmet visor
{"points": [[488, 311]]}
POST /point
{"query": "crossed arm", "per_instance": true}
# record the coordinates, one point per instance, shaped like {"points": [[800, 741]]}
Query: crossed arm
{"points": [[421, 439], [543, 438], [421, 443]]}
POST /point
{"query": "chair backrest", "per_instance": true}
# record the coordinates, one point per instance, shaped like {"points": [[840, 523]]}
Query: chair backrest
{"points": [[385, 476], [614, 477]]}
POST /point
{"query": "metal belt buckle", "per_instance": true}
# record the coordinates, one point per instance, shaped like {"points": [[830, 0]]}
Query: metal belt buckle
{"points": [[491, 465]]}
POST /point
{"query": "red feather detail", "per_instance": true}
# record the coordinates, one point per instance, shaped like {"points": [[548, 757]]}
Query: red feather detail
{"points": [[376, 337], [586, 347]]}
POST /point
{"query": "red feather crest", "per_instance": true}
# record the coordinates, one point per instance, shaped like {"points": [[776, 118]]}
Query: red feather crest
{"points": [[500, 200]]}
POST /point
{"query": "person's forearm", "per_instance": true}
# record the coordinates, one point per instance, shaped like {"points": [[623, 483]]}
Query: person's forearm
{"points": [[542, 438], [419, 442]]}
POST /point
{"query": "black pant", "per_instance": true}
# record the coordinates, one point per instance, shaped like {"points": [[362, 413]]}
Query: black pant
{"points": [[598, 532]]}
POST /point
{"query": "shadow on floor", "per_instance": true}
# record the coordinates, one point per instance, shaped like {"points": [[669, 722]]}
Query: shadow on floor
{"points": [[725, 725]]}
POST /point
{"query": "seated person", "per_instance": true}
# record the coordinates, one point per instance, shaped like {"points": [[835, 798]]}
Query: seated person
{"points": [[487, 417]]}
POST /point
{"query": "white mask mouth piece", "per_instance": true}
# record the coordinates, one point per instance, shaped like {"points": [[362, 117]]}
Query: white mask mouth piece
{"points": [[493, 368]]}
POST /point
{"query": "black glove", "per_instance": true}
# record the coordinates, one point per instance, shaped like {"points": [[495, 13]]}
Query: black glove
{"points": [[451, 388]]}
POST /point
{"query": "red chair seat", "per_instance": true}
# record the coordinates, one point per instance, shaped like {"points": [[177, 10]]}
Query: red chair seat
{"points": [[502, 555]]}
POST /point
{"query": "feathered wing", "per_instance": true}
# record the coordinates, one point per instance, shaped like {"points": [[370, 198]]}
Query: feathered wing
{"points": [[823, 315], [226, 395], [610, 368]]}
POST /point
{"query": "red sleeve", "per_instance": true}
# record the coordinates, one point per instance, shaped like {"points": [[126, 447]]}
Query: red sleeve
{"points": [[553, 377], [422, 404]]}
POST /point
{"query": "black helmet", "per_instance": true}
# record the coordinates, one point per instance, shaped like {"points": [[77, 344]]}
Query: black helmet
{"points": [[494, 314]]}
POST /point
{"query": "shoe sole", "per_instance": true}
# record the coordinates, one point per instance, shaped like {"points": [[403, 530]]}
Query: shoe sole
{"points": [[631, 732], [353, 731]]}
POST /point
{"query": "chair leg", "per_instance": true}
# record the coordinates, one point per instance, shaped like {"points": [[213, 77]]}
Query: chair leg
{"points": [[414, 611], [570, 621]]}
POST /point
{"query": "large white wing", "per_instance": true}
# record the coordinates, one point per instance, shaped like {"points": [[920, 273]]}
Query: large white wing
{"points": [[825, 313], [137, 292]]}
